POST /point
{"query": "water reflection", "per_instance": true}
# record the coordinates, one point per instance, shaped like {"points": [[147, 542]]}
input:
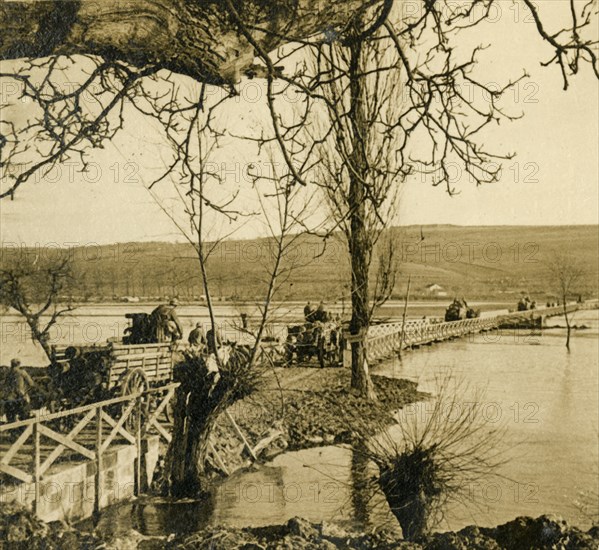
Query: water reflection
{"points": [[361, 487]]}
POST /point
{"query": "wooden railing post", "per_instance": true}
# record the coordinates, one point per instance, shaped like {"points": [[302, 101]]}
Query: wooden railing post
{"points": [[98, 476], [36, 467], [138, 420]]}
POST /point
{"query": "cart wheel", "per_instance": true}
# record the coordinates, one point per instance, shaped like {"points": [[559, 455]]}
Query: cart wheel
{"points": [[169, 410], [135, 381]]}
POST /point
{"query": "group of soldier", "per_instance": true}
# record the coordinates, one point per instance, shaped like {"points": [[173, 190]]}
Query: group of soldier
{"points": [[169, 329], [319, 314], [166, 328], [525, 304]]}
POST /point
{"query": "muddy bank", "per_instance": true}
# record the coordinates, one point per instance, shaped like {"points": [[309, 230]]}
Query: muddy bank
{"points": [[20, 529], [300, 408], [521, 533]]}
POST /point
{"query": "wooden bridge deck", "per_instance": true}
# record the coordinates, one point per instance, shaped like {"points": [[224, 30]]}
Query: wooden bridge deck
{"points": [[385, 340]]}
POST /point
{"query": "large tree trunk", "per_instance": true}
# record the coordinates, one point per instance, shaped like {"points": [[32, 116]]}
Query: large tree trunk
{"points": [[200, 400], [360, 245], [195, 38], [194, 422]]}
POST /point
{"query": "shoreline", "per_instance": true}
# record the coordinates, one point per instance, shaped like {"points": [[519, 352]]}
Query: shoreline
{"points": [[310, 407], [20, 529], [305, 407], [518, 534]]}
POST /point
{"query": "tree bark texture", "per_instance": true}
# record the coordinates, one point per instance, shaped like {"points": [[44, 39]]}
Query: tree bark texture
{"points": [[197, 38], [360, 246]]}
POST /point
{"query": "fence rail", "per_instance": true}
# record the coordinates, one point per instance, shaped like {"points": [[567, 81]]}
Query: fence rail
{"points": [[386, 339], [87, 432]]}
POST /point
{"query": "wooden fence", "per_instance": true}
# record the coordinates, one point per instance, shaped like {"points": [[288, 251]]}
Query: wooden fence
{"points": [[386, 339], [29, 448]]}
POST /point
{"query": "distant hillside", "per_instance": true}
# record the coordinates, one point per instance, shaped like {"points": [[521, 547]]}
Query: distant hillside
{"points": [[477, 262]]}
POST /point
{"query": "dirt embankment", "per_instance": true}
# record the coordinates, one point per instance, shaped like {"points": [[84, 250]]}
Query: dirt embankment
{"points": [[299, 408], [19, 529], [545, 532]]}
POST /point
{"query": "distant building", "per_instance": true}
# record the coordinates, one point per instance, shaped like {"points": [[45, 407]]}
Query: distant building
{"points": [[435, 290], [434, 287]]}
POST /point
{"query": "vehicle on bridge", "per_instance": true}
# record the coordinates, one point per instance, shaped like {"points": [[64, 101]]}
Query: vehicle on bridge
{"points": [[459, 310], [524, 304], [314, 339]]}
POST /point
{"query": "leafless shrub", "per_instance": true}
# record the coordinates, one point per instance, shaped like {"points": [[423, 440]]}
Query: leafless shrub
{"points": [[436, 458]]}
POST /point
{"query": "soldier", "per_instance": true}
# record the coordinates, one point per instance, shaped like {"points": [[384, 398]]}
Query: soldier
{"points": [[320, 314], [308, 312], [196, 337], [166, 323], [18, 385]]}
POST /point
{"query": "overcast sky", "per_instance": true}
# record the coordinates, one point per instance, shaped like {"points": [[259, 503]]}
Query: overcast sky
{"points": [[552, 181]]}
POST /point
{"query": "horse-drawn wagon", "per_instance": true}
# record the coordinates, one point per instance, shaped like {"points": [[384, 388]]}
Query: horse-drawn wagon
{"points": [[83, 374], [320, 340]]}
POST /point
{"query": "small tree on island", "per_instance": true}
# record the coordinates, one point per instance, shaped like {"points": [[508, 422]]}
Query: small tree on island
{"points": [[565, 273], [39, 289]]}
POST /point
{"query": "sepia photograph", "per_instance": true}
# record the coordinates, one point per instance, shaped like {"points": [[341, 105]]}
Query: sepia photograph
{"points": [[299, 274]]}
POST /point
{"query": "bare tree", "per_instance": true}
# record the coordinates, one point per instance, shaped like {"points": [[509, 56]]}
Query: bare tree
{"points": [[424, 122], [565, 275], [360, 171], [201, 200], [108, 52], [442, 452], [196, 39], [37, 288]]}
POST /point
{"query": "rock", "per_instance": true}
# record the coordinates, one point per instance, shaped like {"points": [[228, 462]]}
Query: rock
{"points": [[330, 530], [469, 538], [525, 532], [301, 527]]}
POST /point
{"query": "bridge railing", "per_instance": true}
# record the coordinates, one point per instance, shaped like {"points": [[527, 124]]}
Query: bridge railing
{"points": [[86, 432], [386, 339]]}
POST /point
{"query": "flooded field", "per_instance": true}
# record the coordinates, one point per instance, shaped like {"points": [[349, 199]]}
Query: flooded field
{"points": [[544, 397]]}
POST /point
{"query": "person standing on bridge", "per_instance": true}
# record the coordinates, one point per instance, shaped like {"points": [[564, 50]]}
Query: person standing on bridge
{"points": [[320, 315], [308, 312], [18, 385]]}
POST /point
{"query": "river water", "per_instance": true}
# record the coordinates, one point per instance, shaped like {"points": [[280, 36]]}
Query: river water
{"points": [[93, 324], [545, 398]]}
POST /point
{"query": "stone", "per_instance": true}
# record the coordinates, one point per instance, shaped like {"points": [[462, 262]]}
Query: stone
{"points": [[301, 527]]}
